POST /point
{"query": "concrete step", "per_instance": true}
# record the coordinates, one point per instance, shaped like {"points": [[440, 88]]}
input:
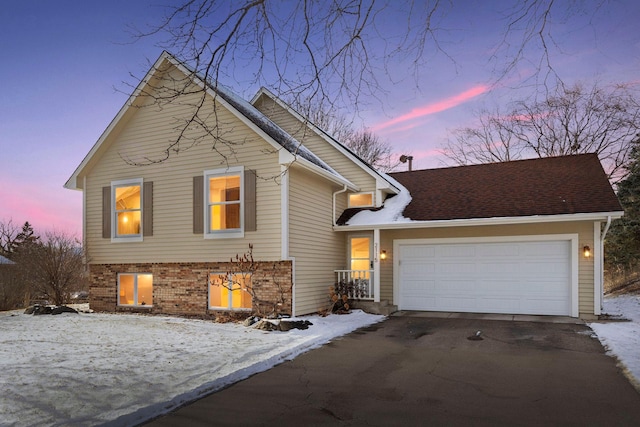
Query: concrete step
{"points": [[383, 307]]}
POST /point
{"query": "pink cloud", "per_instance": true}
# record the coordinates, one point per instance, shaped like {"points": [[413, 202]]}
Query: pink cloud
{"points": [[436, 107]]}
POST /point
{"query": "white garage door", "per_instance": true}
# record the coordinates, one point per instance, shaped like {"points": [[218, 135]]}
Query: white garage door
{"points": [[505, 277]]}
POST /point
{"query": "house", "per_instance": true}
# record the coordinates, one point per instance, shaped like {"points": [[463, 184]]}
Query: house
{"points": [[162, 223]]}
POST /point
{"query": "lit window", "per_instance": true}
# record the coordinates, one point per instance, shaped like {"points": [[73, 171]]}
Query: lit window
{"points": [[360, 200], [230, 292], [224, 202], [135, 290], [127, 209]]}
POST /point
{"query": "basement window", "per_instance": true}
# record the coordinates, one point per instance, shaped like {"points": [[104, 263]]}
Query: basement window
{"points": [[135, 290]]}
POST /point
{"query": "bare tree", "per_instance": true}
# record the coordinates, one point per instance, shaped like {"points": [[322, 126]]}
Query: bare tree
{"points": [[8, 237], [332, 53], [372, 150], [243, 276], [577, 119], [52, 268]]}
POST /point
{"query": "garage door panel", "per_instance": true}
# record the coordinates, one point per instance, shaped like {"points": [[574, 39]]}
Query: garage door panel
{"points": [[462, 287], [512, 277], [456, 251], [460, 269], [415, 269], [505, 250], [498, 305], [457, 303]]}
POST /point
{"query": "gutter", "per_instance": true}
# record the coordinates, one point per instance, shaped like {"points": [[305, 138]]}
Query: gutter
{"points": [[470, 222], [344, 188], [602, 236]]}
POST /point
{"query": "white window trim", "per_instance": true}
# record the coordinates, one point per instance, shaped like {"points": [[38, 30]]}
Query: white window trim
{"points": [[223, 234], [373, 199], [229, 282], [114, 222], [135, 290]]}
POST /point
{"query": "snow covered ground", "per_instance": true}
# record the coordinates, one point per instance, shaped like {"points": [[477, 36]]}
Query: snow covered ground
{"points": [[88, 369], [622, 339]]}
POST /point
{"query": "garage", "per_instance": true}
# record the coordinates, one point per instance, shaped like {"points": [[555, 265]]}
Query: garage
{"points": [[512, 275]]}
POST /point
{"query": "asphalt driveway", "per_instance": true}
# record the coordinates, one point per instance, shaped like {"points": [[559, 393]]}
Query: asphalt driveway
{"points": [[412, 370]]}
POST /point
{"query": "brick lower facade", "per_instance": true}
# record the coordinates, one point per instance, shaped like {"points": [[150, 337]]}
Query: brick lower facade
{"points": [[182, 288]]}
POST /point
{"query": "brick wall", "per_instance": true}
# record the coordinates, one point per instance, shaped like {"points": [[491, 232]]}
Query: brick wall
{"points": [[182, 288]]}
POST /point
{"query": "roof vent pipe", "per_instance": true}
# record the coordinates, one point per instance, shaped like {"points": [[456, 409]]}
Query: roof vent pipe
{"points": [[404, 159]]}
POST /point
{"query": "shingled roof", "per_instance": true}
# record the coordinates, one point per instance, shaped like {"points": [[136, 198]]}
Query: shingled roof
{"points": [[549, 186]]}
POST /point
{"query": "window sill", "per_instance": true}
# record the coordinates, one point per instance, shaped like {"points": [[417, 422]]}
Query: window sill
{"points": [[126, 239], [225, 235], [143, 307]]}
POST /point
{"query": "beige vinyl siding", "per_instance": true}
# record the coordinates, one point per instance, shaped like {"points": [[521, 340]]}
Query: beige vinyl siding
{"points": [[317, 249], [321, 148], [147, 132], [584, 230]]}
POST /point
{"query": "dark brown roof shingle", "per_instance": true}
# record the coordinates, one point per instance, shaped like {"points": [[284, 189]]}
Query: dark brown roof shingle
{"points": [[548, 186]]}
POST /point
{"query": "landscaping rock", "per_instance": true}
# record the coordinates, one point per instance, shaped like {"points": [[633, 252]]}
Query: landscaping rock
{"points": [[63, 309], [250, 321], [283, 325], [46, 309], [265, 325], [42, 309], [287, 325]]}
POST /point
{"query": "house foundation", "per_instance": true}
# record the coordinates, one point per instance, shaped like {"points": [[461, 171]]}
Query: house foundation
{"points": [[183, 288]]}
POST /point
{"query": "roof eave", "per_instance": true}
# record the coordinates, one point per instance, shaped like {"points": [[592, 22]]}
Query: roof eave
{"points": [[470, 222], [306, 164]]}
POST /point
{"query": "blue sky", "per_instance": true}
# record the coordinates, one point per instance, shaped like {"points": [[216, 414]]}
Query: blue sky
{"points": [[66, 64]]}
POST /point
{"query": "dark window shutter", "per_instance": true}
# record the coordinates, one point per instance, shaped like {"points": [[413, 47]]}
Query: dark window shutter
{"points": [[147, 209], [250, 200], [198, 205], [106, 212]]}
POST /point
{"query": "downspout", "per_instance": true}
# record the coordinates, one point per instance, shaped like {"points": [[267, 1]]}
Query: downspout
{"points": [[602, 236], [334, 202]]}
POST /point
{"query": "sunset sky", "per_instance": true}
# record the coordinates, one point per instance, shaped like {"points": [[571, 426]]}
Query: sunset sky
{"points": [[67, 65]]}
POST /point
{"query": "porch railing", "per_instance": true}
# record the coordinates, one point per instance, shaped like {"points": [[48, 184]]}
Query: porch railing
{"points": [[358, 283]]}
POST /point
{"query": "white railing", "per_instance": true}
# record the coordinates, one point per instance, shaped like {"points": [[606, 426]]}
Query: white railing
{"points": [[358, 283]]}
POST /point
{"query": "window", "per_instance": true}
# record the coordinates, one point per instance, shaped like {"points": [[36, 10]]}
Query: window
{"points": [[230, 292], [360, 200], [135, 289], [127, 209], [224, 198]]}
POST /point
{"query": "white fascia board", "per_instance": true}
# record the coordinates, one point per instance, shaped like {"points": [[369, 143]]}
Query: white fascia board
{"points": [[72, 182], [381, 182], [595, 216], [306, 164]]}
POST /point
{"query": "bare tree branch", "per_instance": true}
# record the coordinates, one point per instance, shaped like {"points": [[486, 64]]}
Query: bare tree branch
{"points": [[602, 120]]}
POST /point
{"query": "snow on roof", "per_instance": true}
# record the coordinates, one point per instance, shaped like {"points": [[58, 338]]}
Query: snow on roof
{"points": [[391, 211], [6, 261]]}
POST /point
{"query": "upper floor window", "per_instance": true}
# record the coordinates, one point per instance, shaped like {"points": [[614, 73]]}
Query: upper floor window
{"points": [[224, 203], [224, 197], [126, 210], [358, 200]]}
